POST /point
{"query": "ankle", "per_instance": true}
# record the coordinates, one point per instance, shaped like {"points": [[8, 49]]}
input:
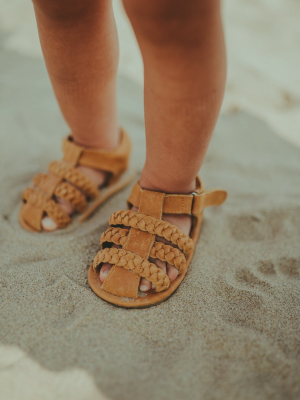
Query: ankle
{"points": [[166, 184], [103, 140]]}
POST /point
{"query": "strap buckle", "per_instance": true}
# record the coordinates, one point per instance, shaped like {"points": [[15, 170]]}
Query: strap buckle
{"points": [[195, 194]]}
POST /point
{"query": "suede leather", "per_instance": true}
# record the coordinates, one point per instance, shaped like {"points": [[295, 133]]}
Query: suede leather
{"points": [[183, 203], [72, 151], [113, 161], [32, 216], [159, 250], [144, 227], [47, 185], [140, 241], [121, 282]]}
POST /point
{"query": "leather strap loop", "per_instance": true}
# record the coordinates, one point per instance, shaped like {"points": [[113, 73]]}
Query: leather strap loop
{"points": [[112, 161], [214, 197], [183, 203]]}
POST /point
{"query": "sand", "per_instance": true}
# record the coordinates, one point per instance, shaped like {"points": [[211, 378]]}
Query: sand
{"points": [[231, 331]]}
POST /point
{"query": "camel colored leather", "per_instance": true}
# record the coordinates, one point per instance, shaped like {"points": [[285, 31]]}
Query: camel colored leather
{"points": [[138, 242], [32, 215], [113, 161], [131, 262], [39, 200], [164, 252], [183, 203]]}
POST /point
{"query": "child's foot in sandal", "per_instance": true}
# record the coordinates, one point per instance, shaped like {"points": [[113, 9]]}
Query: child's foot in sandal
{"points": [[184, 223], [145, 243], [79, 183], [98, 177]]}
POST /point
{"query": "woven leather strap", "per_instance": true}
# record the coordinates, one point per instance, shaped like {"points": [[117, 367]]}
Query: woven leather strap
{"points": [[154, 226], [65, 191], [40, 201], [73, 175], [51, 184], [127, 257], [131, 261], [159, 250], [139, 243], [64, 180], [136, 264]]}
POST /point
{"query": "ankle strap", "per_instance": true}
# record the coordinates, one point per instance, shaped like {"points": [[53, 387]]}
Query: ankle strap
{"points": [[113, 161], [193, 203]]}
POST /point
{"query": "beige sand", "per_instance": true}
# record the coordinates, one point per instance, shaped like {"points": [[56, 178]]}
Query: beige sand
{"points": [[231, 331]]}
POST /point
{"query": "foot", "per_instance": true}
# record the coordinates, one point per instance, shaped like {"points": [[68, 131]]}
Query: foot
{"points": [[98, 177], [184, 223]]}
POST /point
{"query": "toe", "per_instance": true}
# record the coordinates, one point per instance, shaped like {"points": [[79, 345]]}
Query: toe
{"points": [[145, 285], [98, 177], [104, 271], [172, 272], [106, 267], [48, 224], [160, 264], [65, 205]]}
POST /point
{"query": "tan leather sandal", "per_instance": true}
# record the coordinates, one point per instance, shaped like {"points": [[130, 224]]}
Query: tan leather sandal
{"points": [[131, 262], [65, 181]]}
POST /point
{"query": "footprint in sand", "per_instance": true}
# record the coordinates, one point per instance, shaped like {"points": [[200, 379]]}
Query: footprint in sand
{"points": [[289, 267], [285, 267], [248, 297], [265, 224]]}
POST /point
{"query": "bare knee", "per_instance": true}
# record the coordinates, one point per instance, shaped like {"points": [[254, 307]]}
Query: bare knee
{"points": [[68, 9], [170, 20]]}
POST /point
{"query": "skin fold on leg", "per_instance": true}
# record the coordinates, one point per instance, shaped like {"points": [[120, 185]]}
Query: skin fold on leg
{"points": [[80, 47], [184, 56]]}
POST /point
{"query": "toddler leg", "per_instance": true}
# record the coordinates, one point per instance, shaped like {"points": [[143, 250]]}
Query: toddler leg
{"points": [[80, 46], [183, 51]]}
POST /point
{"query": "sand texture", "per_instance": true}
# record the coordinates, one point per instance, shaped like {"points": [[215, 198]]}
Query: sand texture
{"points": [[231, 331]]}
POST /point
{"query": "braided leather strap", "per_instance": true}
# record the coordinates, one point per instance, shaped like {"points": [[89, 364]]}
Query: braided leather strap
{"points": [[115, 235], [136, 264], [171, 255], [153, 226], [159, 250], [54, 211], [65, 191], [73, 175]]}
